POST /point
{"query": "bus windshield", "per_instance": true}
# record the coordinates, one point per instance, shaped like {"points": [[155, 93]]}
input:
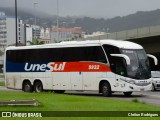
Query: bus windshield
{"points": [[139, 64]]}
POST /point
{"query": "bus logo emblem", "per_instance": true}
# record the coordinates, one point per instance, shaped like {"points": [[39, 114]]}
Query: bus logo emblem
{"points": [[50, 67]]}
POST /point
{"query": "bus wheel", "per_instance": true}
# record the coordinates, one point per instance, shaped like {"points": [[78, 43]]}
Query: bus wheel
{"points": [[27, 87], [38, 87], [127, 93], [106, 89], [59, 91]]}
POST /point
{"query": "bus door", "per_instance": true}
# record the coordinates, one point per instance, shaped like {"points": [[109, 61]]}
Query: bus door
{"points": [[119, 69], [120, 73]]}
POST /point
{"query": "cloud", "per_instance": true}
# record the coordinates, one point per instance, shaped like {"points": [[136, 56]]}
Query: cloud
{"points": [[92, 8]]}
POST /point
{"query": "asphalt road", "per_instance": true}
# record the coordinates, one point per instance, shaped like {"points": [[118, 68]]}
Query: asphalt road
{"points": [[152, 98]]}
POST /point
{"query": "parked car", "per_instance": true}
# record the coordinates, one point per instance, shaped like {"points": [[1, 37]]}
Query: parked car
{"points": [[155, 80]]}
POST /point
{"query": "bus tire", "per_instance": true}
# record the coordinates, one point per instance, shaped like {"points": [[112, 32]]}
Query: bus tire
{"points": [[127, 94], [38, 87], [59, 91], [106, 89], [27, 87]]}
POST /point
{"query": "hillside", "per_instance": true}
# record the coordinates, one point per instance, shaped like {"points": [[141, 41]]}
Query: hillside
{"points": [[137, 20], [29, 17]]}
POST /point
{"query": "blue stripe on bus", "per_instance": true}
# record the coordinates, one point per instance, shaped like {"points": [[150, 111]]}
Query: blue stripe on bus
{"points": [[20, 67]]}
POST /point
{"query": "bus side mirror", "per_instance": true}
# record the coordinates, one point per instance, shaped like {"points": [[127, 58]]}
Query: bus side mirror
{"points": [[154, 58], [123, 56]]}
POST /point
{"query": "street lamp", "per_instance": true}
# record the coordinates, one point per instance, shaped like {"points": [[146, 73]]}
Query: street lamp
{"points": [[35, 21], [16, 22], [57, 20]]}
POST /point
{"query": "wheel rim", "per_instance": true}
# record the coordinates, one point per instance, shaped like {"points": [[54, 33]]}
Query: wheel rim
{"points": [[105, 89], [38, 88], [27, 87]]}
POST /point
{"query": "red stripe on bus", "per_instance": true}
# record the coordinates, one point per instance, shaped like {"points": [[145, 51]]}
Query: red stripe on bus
{"points": [[81, 67]]}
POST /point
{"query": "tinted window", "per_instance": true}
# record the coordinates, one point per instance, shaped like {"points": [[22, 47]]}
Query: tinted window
{"points": [[71, 54], [116, 63]]}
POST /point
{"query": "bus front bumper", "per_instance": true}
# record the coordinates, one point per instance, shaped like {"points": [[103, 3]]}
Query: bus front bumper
{"points": [[133, 87]]}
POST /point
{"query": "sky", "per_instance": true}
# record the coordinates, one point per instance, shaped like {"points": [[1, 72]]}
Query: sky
{"points": [[90, 8]]}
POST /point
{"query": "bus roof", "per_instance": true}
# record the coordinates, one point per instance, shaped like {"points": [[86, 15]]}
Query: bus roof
{"points": [[117, 43]]}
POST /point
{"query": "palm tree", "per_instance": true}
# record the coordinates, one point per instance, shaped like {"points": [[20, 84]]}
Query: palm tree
{"points": [[35, 42]]}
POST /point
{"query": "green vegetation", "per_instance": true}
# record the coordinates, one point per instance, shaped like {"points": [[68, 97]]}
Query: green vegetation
{"points": [[2, 83], [60, 102], [64, 102], [135, 100], [1, 75], [35, 42]]}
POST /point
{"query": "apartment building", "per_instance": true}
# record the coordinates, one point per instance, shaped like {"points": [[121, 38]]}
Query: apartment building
{"points": [[45, 35], [3, 31], [62, 34], [8, 31]]}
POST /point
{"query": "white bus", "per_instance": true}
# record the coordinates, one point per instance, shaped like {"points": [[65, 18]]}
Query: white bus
{"points": [[101, 65]]}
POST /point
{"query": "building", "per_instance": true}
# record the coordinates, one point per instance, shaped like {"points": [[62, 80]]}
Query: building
{"points": [[8, 31], [36, 31], [62, 34], [3, 30], [94, 34], [45, 35], [11, 30], [29, 33]]}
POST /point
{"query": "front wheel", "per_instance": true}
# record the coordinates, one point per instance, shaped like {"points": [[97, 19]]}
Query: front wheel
{"points": [[106, 90], [38, 87], [127, 94]]}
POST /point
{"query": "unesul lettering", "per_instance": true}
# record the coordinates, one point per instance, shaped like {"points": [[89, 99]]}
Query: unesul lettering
{"points": [[52, 66]]}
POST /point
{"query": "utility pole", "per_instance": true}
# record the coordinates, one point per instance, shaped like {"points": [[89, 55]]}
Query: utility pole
{"points": [[16, 22], [35, 20], [57, 20]]}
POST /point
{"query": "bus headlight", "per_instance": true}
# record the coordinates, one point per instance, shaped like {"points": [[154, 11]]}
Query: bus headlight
{"points": [[131, 81]]}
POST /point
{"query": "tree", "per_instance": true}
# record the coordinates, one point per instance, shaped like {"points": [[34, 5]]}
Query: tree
{"points": [[35, 42]]}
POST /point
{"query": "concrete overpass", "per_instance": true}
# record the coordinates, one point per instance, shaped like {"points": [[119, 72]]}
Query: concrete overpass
{"points": [[148, 37]]}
